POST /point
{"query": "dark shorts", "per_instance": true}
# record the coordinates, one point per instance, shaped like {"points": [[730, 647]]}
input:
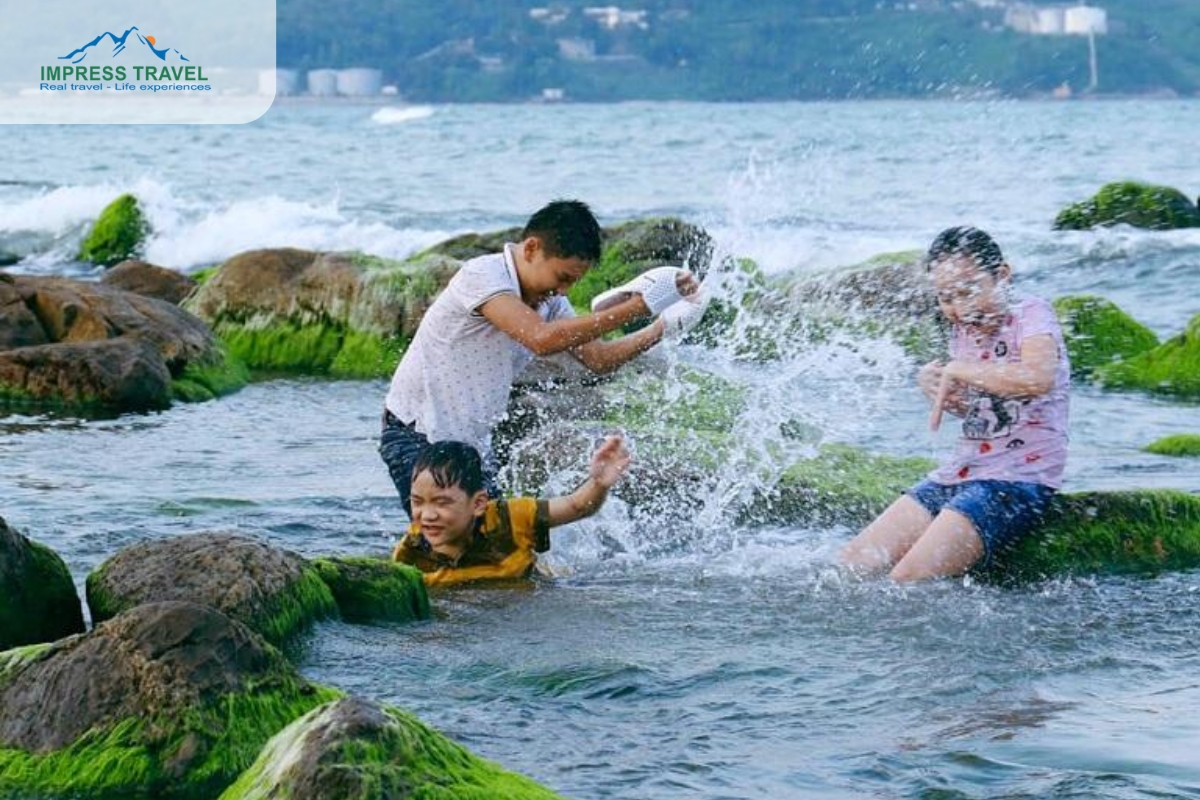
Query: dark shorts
{"points": [[1003, 512], [400, 446]]}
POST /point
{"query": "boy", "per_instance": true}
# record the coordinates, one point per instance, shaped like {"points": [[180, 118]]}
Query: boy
{"points": [[458, 535], [496, 313]]}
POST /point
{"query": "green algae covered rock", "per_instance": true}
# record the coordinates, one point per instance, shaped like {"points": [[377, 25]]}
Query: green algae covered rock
{"points": [[373, 589], [274, 592], [1127, 202], [38, 602], [210, 378], [1172, 368], [353, 749], [117, 234], [1182, 444], [841, 484], [169, 700], [1143, 531], [301, 312], [1098, 333]]}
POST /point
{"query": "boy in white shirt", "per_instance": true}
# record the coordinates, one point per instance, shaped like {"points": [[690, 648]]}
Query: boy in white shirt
{"points": [[495, 315]]}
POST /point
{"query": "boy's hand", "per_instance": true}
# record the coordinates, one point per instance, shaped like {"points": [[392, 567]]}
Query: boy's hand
{"points": [[659, 288], [610, 461], [684, 315]]}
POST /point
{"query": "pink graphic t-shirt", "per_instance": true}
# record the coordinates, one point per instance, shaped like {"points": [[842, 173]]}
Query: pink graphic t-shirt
{"points": [[1010, 439]]}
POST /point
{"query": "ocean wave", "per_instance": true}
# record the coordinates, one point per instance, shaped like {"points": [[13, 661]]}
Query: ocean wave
{"points": [[392, 115]]}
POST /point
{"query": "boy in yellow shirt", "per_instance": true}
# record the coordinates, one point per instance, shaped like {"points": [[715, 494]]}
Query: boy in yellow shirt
{"points": [[458, 535]]}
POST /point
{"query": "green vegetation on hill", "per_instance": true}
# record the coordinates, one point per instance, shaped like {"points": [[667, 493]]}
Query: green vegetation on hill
{"points": [[465, 50]]}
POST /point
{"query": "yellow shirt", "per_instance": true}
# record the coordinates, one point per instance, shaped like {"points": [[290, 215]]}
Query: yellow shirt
{"points": [[504, 545]]}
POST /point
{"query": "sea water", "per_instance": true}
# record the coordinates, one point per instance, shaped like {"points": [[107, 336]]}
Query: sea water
{"points": [[715, 659]]}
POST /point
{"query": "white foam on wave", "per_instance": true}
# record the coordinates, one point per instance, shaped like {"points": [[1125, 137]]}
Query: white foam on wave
{"points": [[277, 222], [391, 115]]}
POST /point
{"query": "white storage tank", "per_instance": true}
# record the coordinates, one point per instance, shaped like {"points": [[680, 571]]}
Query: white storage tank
{"points": [[359, 82], [279, 82], [1082, 20], [322, 82], [1052, 21]]}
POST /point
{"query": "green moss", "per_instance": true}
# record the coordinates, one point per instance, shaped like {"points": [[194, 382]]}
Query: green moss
{"points": [[612, 270], [1144, 531], [282, 346], [400, 759], [1097, 333], [205, 381], [203, 276], [687, 399], [117, 234], [284, 614], [1171, 368], [1131, 203], [366, 355], [1182, 444], [14, 660], [44, 606], [370, 589], [131, 759], [841, 484]]}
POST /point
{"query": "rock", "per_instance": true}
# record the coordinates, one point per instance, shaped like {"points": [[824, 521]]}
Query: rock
{"points": [[1138, 204], [1172, 368], [149, 280], [19, 326], [117, 234], [840, 485], [169, 700], [8, 259], [299, 311], [374, 589], [1181, 444], [353, 749], [472, 245], [274, 592], [1143, 531], [1097, 333], [40, 603], [102, 347]]}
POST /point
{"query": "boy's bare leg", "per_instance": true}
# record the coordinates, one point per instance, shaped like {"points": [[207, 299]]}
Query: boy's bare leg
{"points": [[950, 546], [886, 540]]}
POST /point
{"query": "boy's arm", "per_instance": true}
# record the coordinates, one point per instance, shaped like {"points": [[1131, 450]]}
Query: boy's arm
{"points": [[508, 313], [1033, 375], [608, 466], [603, 356]]}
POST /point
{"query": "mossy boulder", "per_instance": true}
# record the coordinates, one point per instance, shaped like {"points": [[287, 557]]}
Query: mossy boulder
{"points": [[168, 700], [303, 312], [353, 749], [1143, 531], [374, 589], [840, 485], [1098, 333], [472, 245], [39, 599], [1172, 368], [150, 280], [118, 233], [1181, 444], [79, 345], [274, 592], [1128, 202]]}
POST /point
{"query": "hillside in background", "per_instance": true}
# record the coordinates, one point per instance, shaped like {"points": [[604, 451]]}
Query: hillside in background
{"points": [[470, 50]]}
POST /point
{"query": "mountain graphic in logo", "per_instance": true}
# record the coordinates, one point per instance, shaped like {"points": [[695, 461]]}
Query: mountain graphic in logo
{"points": [[80, 53]]}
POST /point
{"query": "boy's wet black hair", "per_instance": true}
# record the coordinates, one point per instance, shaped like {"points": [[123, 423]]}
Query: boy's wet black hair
{"points": [[568, 229], [452, 464], [965, 240]]}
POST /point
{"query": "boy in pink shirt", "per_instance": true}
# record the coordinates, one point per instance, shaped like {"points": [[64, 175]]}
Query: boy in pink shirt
{"points": [[1008, 378]]}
